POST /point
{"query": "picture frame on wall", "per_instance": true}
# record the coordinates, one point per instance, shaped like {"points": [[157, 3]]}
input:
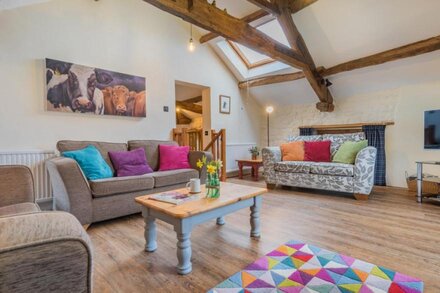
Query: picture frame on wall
{"points": [[225, 104]]}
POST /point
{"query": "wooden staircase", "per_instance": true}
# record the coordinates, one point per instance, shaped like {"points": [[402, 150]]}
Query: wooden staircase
{"points": [[194, 139]]}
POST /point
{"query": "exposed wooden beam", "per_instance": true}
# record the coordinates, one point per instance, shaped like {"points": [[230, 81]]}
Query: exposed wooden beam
{"points": [[193, 100], [215, 20], [295, 6], [296, 41], [189, 107], [410, 50], [182, 119], [248, 18], [267, 6]]}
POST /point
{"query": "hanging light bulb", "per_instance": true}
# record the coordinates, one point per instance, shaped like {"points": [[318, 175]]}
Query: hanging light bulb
{"points": [[191, 45]]}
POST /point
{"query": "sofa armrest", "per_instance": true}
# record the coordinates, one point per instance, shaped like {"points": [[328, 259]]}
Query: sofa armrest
{"points": [[364, 170], [271, 155], [70, 188], [44, 250], [194, 156]]}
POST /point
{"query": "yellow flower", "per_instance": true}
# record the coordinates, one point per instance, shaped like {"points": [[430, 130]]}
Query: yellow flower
{"points": [[211, 169], [200, 164]]}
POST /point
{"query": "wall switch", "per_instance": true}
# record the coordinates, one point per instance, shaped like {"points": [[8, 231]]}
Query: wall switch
{"points": [[165, 108], [206, 132]]}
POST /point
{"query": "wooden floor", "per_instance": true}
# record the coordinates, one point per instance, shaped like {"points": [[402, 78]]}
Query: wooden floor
{"points": [[390, 230]]}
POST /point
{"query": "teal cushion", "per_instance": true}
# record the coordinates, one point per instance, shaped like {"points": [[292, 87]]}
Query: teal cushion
{"points": [[348, 151], [91, 162]]}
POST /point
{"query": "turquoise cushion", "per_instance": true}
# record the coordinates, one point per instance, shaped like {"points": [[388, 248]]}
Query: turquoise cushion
{"points": [[91, 162]]}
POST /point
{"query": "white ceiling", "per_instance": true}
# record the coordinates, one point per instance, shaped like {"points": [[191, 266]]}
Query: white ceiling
{"points": [[10, 4], [337, 31]]}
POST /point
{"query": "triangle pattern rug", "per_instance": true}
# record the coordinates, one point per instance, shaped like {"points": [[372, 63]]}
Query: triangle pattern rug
{"points": [[300, 267]]}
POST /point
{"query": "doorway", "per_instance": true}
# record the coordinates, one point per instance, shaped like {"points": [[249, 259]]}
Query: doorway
{"points": [[193, 115]]}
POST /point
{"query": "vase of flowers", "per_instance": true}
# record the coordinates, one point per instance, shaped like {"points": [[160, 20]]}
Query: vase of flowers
{"points": [[255, 152], [212, 179]]}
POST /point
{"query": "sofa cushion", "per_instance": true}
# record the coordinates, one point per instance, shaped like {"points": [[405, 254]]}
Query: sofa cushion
{"points": [[304, 138], [338, 139], [293, 166], [336, 169], [166, 178], [130, 163], [293, 151], [116, 185], [151, 148], [173, 157], [103, 147], [317, 151], [348, 151], [20, 208], [91, 162]]}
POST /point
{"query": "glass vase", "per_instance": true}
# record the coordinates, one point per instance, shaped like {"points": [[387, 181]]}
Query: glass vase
{"points": [[212, 186]]}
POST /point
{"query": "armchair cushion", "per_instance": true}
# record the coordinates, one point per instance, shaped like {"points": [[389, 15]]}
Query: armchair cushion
{"points": [[20, 208], [116, 185], [16, 185]]}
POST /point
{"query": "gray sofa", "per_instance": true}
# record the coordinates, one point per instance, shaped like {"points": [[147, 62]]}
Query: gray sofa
{"points": [[39, 251], [99, 200], [357, 179]]}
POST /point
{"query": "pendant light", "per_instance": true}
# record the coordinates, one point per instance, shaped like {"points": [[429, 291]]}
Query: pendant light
{"points": [[191, 45]]}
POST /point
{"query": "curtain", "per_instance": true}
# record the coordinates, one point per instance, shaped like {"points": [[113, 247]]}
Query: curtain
{"points": [[376, 138], [306, 131]]}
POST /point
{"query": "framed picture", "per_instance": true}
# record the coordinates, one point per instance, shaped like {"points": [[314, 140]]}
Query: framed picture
{"points": [[225, 104], [75, 88]]}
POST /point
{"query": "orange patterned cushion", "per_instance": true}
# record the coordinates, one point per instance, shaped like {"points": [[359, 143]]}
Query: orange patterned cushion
{"points": [[293, 151]]}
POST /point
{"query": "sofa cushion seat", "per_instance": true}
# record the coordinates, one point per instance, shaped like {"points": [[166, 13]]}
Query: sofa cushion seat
{"points": [[335, 169], [172, 177], [20, 208], [116, 185], [293, 166]]}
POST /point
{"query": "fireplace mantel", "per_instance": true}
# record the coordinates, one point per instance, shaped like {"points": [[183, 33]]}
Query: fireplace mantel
{"points": [[344, 128]]}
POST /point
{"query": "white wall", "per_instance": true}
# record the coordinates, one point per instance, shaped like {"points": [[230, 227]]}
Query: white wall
{"points": [[127, 36], [404, 140]]}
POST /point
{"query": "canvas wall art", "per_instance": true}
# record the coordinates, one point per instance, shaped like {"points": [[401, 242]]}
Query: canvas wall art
{"points": [[82, 89]]}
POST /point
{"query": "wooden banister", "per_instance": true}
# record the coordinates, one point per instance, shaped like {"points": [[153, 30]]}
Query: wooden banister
{"points": [[217, 145], [192, 137]]}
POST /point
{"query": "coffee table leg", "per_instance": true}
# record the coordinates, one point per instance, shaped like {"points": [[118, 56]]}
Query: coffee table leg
{"points": [[221, 221], [183, 248], [150, 232], [255, 217]]}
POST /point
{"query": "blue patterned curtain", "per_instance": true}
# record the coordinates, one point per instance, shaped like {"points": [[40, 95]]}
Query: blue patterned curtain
{"points": [[376, 138], [306, 131]]}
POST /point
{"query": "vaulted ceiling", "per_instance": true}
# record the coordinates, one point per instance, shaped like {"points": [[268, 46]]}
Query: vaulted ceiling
{"points": [[338, 31]]}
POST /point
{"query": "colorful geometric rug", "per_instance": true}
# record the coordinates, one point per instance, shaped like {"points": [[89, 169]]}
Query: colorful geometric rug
{"points": [[300, 267]]}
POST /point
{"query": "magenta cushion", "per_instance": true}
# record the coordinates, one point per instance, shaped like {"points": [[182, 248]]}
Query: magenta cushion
{"points": [[317, 151], [173, 157], [130, 163]]}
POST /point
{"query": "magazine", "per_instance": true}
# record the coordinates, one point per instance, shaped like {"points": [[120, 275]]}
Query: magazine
{"points": [[174, 197]]}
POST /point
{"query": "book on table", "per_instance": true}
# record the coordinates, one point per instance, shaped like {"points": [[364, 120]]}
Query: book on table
{"points": [[174, 197]]}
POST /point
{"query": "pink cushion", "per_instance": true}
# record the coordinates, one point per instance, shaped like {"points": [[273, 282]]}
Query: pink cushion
{"points": [[317, 151], [173, 157]]}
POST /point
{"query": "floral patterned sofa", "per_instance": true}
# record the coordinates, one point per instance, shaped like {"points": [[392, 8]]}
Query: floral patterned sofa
{"points": [[357, 179]]}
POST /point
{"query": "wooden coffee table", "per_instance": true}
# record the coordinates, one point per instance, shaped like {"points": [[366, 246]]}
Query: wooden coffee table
{"points": [[185, 217]]}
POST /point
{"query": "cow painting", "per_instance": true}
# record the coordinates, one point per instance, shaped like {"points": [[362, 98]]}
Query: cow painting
{"points": [[82, 89]]}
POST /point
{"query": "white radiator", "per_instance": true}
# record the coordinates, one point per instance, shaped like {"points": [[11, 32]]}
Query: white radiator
{"points": [[237, 151], [35, 161]]}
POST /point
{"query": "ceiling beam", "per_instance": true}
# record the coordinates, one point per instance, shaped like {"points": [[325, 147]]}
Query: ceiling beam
{"points": [[267, 6], [297, 43], [248, 18], [189, 107], [211, 18], [410, 50], [295, 6], [193, 100]]}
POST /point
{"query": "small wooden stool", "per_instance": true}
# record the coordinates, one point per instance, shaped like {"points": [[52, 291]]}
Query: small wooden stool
{"points": [[254, 164]]}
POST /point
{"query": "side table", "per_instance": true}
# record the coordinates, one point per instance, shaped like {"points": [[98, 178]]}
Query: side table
{"points": [[254, 164]]}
